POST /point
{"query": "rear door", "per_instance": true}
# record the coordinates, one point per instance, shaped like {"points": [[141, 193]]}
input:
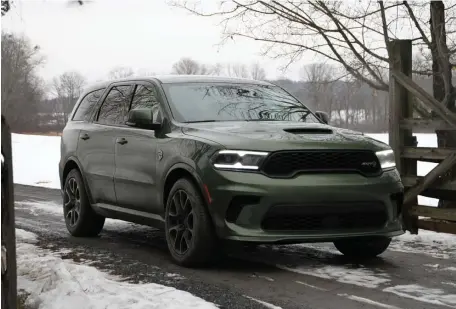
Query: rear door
{"points": [[96, 145], [135, 156]]}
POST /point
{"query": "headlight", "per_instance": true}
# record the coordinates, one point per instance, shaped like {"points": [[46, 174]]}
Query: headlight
{"points": [[386, 159], [238, 159]]}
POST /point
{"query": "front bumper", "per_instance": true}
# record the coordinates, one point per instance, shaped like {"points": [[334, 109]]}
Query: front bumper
{"points": [[241, 203]]}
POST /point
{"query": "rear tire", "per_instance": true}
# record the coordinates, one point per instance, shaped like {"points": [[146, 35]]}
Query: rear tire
{"points": [[188, 227], [80, 219], [363, 247]]}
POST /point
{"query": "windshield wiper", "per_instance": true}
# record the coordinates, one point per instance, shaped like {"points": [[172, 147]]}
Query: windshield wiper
{"points": [[194, 121]]}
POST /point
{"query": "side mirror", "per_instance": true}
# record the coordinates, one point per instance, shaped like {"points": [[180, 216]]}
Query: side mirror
{"points": [[323, 116], [142, 118]]}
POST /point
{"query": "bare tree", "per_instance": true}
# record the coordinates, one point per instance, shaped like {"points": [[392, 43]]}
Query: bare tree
{"points": [[120, 72], [67, 88], [189, 66], [21, 87], [217, 69], [240, 70], [257, 72], [320, 85], [236, 70]]}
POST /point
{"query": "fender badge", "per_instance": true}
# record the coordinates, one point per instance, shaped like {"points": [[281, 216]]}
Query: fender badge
{"points": [[159, 155]]}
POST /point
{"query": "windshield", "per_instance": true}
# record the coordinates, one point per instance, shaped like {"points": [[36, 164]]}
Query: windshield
{"points": [[198, 102]]}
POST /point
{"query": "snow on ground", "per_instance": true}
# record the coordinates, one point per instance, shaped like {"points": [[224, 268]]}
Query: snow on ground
{"points": [[55, 283], [25, 236], [36, 159], [267, 305], [420, 293], [359, 276], [438, 245]]}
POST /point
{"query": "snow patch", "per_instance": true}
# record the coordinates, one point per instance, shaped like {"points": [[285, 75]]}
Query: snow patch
{"points": [[54, 283], [311, 286], [424, 294], [25, 236], [432, 265], [267, 305], [368, 301], [262, 277], [36, 208], [438, 245], [175, 276], [357, 276]]}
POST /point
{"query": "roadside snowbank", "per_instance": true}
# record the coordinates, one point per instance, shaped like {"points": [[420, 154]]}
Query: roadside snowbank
{"points": [[53, 283]]}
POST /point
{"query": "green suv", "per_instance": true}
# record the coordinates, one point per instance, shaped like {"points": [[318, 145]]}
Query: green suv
{"points": [[210, 158]]}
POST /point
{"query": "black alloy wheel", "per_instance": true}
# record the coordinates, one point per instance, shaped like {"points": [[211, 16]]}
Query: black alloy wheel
{"points": [[180, 222]]}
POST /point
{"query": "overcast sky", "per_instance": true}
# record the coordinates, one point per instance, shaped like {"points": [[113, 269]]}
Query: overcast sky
{"points": [[145, 35]]}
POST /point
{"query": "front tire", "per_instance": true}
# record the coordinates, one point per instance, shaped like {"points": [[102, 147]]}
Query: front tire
{"points": [[80, 219], [188, 226], [363, 248]]}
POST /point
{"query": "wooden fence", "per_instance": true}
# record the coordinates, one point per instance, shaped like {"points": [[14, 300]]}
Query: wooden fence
{"points": [[406, 100]]}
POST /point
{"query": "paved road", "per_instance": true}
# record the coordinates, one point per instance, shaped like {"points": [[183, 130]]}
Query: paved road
{"points": [[311, 276]]}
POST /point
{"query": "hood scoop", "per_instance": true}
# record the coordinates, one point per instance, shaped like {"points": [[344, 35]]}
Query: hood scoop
{"points": [[308, 131]]}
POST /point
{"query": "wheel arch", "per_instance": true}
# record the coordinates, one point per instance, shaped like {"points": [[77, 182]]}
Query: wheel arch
{"points": [[70, 164], [183, 170]]}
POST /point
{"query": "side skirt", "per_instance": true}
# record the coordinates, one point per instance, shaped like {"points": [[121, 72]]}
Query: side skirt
{"points": [[130, 215]]}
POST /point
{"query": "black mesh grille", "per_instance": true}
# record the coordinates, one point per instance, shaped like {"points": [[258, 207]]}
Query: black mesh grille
{"points": [[366, 215], [288, 163]]}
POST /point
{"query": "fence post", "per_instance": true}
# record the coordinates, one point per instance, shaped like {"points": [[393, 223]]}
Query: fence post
{"points": [[9, 276], [400, 108]]}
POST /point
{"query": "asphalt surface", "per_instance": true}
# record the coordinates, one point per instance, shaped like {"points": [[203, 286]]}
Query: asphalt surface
{"points": [[284, 276]]}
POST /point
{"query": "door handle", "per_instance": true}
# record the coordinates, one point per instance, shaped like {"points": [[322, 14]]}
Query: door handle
{"points": [[122, 141], [85, 136]]}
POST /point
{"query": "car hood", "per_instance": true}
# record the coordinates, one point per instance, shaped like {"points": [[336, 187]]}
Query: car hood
{"points": [[275, 135]]}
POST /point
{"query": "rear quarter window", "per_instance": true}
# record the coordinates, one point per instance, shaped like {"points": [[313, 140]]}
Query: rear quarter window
{"points": [[87, 104]]}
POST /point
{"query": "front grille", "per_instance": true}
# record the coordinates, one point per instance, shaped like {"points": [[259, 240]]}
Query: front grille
{"points": [[320, 217], [289, 163]]}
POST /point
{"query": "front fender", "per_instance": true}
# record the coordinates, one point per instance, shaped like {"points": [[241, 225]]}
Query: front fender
{"points": [[191, 170]]}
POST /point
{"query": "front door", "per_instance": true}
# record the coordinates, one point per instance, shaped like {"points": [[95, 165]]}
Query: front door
{"points": [[135, 155]]}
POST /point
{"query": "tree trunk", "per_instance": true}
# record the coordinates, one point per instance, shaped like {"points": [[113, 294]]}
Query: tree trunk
{"points": [[441, 69]]}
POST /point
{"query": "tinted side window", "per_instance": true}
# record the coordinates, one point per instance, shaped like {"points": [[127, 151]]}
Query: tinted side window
{"points": [[85, 108], [114, 106], [145, 97]]}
